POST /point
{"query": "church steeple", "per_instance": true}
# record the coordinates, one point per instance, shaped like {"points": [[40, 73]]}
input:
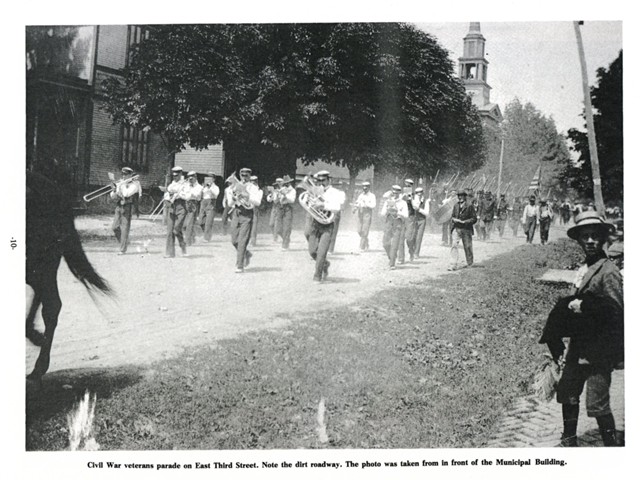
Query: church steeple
{"points": [[473, 66]]}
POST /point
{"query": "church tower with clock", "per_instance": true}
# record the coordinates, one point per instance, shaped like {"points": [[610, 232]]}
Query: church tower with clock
{"points": [[473, 68]]}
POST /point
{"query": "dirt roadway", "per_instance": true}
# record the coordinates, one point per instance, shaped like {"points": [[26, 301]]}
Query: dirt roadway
{"points": [[166, 305]]}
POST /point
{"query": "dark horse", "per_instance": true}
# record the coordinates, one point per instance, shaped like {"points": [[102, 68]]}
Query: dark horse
{"points": [[51, 235]]}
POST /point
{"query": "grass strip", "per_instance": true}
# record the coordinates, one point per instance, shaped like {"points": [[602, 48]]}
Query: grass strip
{"points": [[429, 365]]}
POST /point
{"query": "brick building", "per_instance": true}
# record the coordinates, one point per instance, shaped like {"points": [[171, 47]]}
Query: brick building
{"points": [[68, 129]]}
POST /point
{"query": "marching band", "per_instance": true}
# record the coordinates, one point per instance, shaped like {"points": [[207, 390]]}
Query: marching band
{"points": [[406, 213]]}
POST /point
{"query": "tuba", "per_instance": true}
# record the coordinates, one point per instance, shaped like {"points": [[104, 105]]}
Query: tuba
{"points": [[240, 194], [310, 197]]}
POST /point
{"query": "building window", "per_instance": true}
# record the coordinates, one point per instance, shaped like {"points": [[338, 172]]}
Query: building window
{"points": [[135, 148], [137, 34]]}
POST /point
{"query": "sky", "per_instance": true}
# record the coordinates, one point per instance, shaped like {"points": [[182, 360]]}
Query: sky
{"points": [[538, 62]]}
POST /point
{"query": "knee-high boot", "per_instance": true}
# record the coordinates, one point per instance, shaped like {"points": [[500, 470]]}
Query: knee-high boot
{"points": [[570, 414], [607, 427]]}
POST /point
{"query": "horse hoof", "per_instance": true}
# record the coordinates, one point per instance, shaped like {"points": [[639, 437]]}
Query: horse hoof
{"points": [[36, 337]]}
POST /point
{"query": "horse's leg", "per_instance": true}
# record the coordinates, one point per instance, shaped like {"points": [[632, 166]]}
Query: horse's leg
{"points": [[51, 306], [36, 337]]}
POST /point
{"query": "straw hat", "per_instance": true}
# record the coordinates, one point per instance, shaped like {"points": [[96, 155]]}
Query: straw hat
{"points": [[589, 218]]}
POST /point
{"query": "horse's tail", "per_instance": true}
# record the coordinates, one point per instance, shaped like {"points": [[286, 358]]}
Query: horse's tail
{"points": [[78, 262]]}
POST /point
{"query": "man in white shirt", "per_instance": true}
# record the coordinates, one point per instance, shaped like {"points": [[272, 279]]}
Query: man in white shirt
{"points": [[284, 219], [408, 231], [336, 223], [246, 196], [421, 205], [395, 211], [256, 214], [124, 193], [210, 193], [193, 198], [365, 204], [320, 234], [176, 196], [274, 199], [529, 218]]}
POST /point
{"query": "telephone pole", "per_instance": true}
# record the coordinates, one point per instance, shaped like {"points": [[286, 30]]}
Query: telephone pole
{"points": [[591, 132]]}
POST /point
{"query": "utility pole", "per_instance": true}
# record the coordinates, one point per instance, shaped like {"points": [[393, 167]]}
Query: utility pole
{"points": [[591, 132], [500, 167]]}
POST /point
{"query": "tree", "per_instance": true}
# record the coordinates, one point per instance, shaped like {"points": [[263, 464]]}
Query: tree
{"points": [[390, 99], [606, 98], [350, 94], [531, 139]]}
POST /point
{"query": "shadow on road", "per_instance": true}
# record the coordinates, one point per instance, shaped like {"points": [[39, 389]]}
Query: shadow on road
{"points": [[262, 269], [342, 280]]}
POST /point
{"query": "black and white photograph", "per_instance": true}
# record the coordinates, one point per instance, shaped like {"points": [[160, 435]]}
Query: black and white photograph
{"points": [[386, 246]]}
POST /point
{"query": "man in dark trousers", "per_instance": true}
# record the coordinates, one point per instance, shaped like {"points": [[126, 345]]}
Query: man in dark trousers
{"points": [[486, 212], [593, 320], [501, 214], [530, 218], [462, 220], [124, 192]]}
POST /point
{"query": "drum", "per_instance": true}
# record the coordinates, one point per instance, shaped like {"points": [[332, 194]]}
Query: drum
{"points": [[444, 212]]}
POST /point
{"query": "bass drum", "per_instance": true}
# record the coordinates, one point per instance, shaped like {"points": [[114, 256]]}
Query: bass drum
{"points": [[445, 211]]}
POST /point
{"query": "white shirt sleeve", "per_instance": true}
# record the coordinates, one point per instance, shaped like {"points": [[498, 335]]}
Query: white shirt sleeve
{"points": [[290, 196], [332, 200], [371, 200], [255, 194], [403, 209], [426, 209]]}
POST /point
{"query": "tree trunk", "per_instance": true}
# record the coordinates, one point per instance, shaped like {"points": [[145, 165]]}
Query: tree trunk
{"points": [[353, 174]]}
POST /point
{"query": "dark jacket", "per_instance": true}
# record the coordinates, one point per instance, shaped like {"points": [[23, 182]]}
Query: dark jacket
{"points": [[487, 209], [597, 333], [467, 213]]}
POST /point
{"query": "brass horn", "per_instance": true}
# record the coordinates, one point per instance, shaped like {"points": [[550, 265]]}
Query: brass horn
{"points": [[240, 194], [100, 192], [310, 197]]}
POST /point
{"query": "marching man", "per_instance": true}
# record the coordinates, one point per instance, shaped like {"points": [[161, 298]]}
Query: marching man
{"points": [[365, 204], [274, 199], [124, 192], [210, 193], [421, 205], [176, 197], [193, 198], [462, 220], [530, 218], [286, 199], [338, 216], [320, 234], [246, 196], [256, 213], [395, 211]]}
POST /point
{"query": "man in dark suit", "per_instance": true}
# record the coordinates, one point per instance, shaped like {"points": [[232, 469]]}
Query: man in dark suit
{"points": [[462, 220]]}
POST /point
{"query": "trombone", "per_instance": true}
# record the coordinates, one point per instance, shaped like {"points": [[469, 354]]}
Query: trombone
{"points": [[100, 192]]}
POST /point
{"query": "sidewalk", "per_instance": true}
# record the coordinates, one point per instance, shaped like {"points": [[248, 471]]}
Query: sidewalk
{"points": [[535, 423]]}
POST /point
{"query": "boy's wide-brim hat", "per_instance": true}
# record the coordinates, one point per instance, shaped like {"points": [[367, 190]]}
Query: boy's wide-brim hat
{"points": [[589, 218], [287, 179]]}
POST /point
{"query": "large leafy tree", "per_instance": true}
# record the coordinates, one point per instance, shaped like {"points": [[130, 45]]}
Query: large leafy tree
{"points": [[390, 99], [606, 98], [352, 94], [531, 140]]}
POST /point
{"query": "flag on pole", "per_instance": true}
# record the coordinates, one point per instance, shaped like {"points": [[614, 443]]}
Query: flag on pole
{"points": [[535, 183]]}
